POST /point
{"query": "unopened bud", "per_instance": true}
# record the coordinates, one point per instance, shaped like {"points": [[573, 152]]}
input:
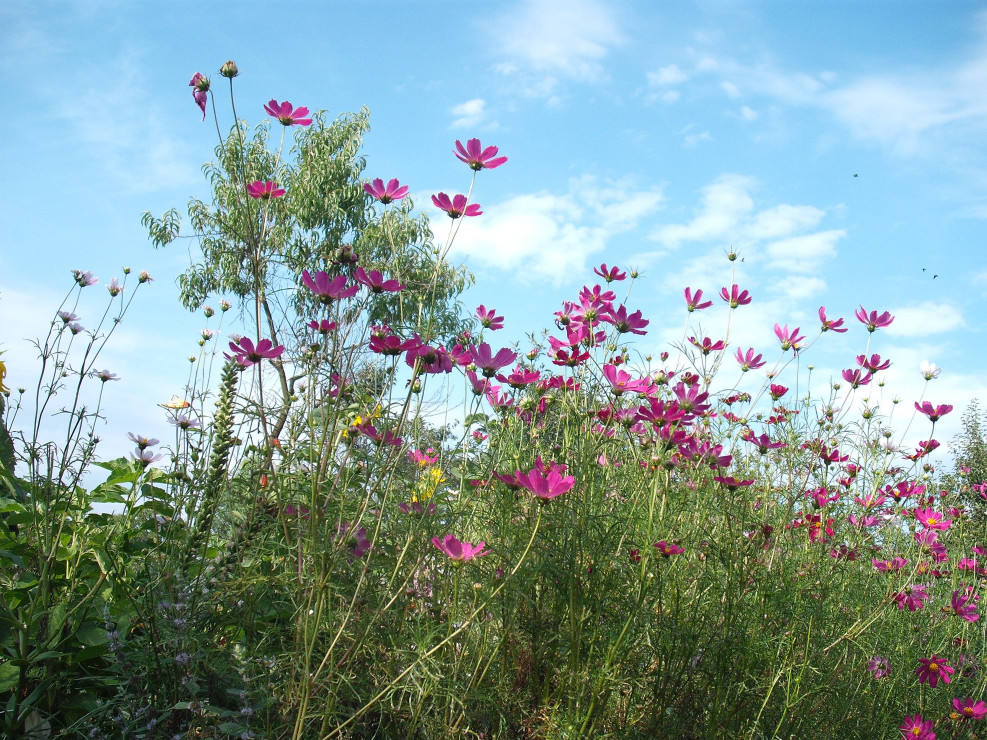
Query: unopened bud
{"points": [[229, 70]]}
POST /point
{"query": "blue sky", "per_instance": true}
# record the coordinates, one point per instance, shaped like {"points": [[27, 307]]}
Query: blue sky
{"points": [[838, 147]]}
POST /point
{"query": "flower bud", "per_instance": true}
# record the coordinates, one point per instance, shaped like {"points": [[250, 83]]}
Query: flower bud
{"points": [[208, 312], [126, 270], [144, 277], [229, 70]]}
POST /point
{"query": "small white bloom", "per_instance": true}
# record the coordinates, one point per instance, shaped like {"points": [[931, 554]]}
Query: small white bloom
{"points": [[929, 370]]}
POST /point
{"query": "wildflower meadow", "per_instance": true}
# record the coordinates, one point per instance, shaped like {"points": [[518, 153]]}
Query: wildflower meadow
{"points": [[375, 519]]}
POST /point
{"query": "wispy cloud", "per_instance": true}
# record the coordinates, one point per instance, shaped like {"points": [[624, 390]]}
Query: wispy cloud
{"points": [[544, 42], [925, 319], [469, 114], [548, 236]]}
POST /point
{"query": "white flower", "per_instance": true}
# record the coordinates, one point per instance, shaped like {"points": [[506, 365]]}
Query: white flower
{"points": [[929, 370]]}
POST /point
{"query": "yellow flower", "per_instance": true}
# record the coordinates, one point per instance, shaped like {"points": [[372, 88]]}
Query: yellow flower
{"points": [[428, 484], [3, 374]]}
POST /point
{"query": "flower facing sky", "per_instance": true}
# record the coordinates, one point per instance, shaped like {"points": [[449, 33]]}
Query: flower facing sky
{"points": [[477, 157], [489, 319], [873, 321], [386, 193], [932, 670], [246, 354], [915, 728], [264, 190], [287, 115], [933, 412], [456, 208]]}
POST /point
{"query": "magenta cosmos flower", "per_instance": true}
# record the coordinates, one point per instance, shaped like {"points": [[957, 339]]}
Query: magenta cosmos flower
{"points": [[667, 549], [880, 667], [694, 301], [964, 605], [456, 207], [459, 552], [264, 190], [830, 324], [911, 597], [246, 354], [970, 709], [933, 412], [915, 728], [735, 297], [623, 321], [328, 289], [386, 193], [748, 360], [931, 670], [287, 115], [374, 280], [477, 157], [873, 321], [610, 274], [489, 363], [545, 482], [789, 339], [489, 318]]}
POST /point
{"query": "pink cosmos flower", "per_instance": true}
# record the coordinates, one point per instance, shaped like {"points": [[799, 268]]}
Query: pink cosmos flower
{"points": [[386, 194], [735, 297], [356, 540], [83, 279], [789, 339], [890, 565], [489, 319], [872, 320], [748, 360], [969, 709], [621, 382], [707, 345], [374, 280], [489, 363], [933, 412], [856, 378], [879, 667], [323, 326], [694, 302], [287, 115], [763, 443], [624, 322], [932, 519], [246, 354], [459, 552], [520, 377], [545, 482], [915, 728], [477, 157], [964, 605], [610, 274], [873, 364], [912, 598], [456, 207], [931, 670], [264, 190], [830, 325], [777, 391], [422, 458], [328, 289], [200, 91], [141, 441], [667, 549]]}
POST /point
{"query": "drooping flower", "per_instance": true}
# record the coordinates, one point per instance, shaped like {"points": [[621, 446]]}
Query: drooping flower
{"points": [[915, 728], [456, 207], [931, 670], [933, 412], [735, 297], [386, 193], [830, 324], [200, 85], [287, 115], [459, 552], [964, 605], [610, 274], [328, 289], [873, 321], [264, 190], [246, 354], [477, 157], [489, 319], [695, 302]]}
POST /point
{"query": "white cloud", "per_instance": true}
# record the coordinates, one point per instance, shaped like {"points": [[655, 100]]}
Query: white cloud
{"points": [[547, 236], [724, 203], [469, 114], [559, 39], [806, 253], [730, 89], [748, 114], [670, 75], [925, 319]]}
